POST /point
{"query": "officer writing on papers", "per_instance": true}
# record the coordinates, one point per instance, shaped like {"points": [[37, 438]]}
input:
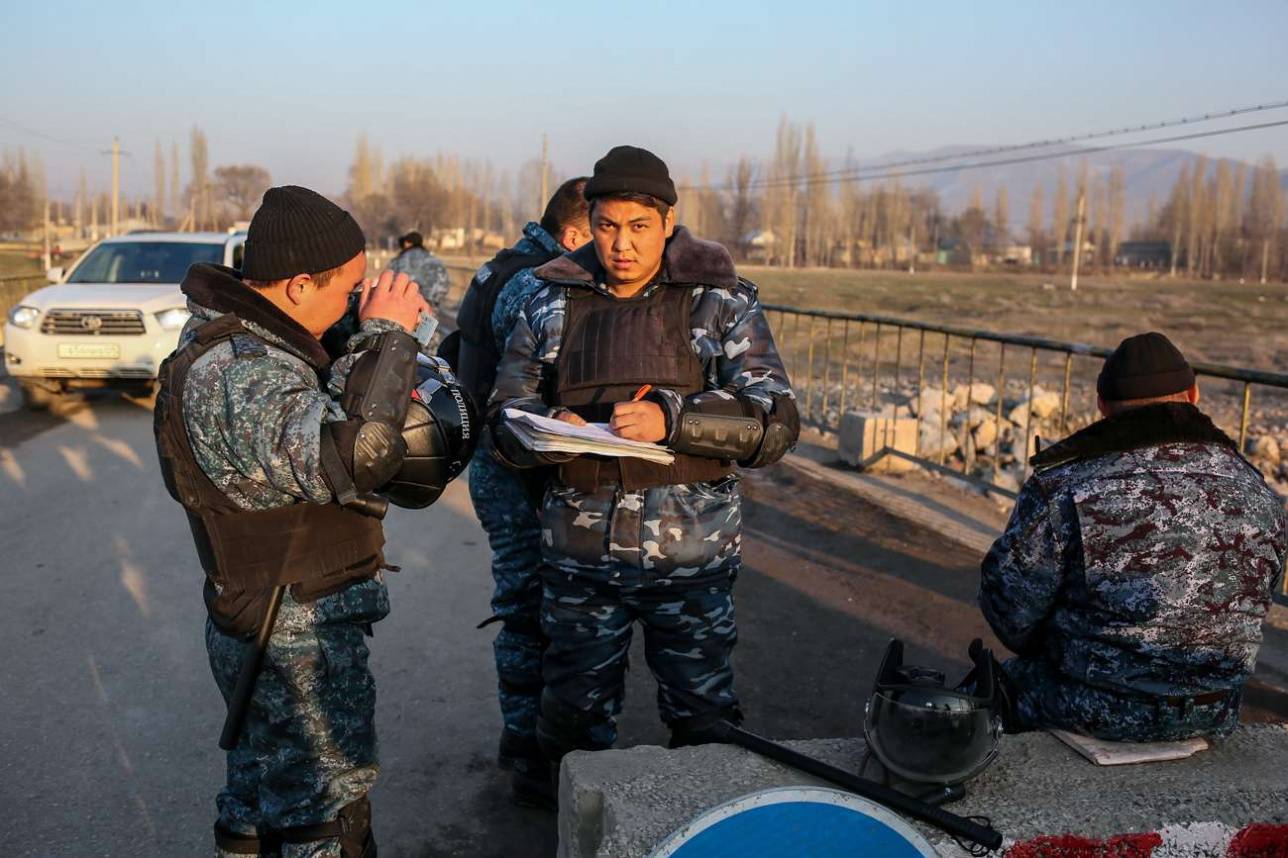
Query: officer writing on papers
{"points": [[624, 539]]}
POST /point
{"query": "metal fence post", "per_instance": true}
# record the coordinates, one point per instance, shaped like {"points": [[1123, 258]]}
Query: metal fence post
{"points": [[1243, 416], [827, 371], [1064, 394], [1001, 395], [1028, 417], [943, 405], [845, 365], [876, 365], [809, 370]]}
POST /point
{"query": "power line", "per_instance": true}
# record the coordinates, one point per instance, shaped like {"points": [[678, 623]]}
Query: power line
{"points": [[43, 136], [1048, 156], [856, 173]]}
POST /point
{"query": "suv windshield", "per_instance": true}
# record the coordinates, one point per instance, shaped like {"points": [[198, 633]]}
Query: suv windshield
{"points": [[143, 261]]}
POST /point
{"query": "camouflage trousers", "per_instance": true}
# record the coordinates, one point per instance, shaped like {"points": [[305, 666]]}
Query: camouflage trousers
{"points": [[308, 747], [665, 558], [514, 534], [1044, 699]]}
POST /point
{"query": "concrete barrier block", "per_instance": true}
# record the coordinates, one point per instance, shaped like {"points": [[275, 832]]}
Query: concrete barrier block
{"points": [[863, 433], [617, 804]]}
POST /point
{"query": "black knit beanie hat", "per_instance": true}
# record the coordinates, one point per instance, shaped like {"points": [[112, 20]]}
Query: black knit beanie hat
{"points": [[298, 231], [1143, 367], [631, 170]]}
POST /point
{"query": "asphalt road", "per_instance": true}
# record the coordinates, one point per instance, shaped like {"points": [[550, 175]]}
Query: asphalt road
{"points": [[109, 718]]}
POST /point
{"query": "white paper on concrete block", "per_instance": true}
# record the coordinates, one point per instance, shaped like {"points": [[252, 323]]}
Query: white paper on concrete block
{"points": [[1104, 753]]}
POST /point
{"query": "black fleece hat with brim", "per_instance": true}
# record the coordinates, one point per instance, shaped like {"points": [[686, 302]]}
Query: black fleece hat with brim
{"points": [[298, 231], [1144, 367]]}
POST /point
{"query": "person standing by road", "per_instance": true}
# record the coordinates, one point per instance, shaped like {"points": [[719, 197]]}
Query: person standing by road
{"points": [[425, 268], [625, 540], [273, 450], [506, 500], [1137, 567]]}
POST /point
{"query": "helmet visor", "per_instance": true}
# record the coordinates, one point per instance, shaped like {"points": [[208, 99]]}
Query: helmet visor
{"points": [[930, 736]]}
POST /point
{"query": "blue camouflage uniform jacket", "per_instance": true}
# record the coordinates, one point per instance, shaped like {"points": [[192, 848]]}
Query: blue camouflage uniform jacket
{"points": [[1140, 557], [522, 286], [684, 531]]}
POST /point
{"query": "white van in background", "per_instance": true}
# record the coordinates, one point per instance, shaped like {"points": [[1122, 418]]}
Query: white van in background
{"points": [[112, 318]]}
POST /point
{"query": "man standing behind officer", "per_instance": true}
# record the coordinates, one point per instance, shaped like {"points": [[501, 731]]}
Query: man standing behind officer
{"points": [[625, 540], [506, 500], [1138, 565], [259, 434], [426, 269]]}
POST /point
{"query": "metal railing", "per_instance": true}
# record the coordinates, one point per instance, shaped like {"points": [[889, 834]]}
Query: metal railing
{"points": [[857, 361]]}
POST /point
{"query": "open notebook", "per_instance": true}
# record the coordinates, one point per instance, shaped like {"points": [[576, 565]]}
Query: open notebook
{"points": [[547, 435]]}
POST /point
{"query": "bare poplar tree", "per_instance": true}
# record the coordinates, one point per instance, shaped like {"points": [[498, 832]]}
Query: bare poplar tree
{"points": [[199, 186], [1265, 210], [158, 198], [741, 204], [1060, 216], [1035, 220], [1117, 205], [1194, 217], [176, 189], [1002, 217]]}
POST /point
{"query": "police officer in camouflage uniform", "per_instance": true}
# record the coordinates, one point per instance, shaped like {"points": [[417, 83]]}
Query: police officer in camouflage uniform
{"points": [[506, 500], [625, 540], [1138, 565], [261, 437], [426, 269]]}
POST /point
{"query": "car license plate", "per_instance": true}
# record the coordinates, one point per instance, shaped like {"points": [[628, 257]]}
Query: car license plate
{"points": [[89, 350]]}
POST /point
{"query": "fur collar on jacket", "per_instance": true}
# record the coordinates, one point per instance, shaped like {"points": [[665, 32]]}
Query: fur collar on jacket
{"points": [[687, 261], [221, 289], [1147, 426]]}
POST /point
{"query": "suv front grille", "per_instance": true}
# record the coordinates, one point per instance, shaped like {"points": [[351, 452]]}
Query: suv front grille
{"points": [[93, 323]]}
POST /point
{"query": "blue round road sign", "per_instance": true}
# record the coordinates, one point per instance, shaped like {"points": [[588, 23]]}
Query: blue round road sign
{"points": [[796, 821]]}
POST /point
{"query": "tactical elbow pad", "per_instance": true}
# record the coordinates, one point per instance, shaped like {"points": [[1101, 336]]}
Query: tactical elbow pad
{"points": [[782, 428], [379, 383], [361, 454], [718, 436]]}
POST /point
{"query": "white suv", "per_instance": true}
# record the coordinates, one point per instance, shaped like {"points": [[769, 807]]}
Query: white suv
{"points": [[113, 317]]}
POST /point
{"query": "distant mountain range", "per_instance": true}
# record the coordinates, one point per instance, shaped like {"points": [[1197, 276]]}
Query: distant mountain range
{"points": [[1148, 173]]}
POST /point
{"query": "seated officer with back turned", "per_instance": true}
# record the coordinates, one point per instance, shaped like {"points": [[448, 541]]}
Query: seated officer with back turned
{"points": [[1138, 565]]}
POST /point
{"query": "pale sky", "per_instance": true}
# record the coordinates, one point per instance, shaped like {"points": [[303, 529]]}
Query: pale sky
{"points": [[290, 85]]}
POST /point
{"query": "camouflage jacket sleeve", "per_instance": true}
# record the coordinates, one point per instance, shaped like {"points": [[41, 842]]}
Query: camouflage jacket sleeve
{"points": [[731, 333], [254, 421], [1023, 571], [527, 362]]}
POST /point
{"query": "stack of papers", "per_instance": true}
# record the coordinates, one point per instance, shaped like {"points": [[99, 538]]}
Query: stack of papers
{"points": [[1104, 753], [547, 435]]}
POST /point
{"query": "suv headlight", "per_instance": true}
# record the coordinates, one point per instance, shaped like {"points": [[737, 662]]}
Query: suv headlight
{"points": [[173, 319], [23, 317]]}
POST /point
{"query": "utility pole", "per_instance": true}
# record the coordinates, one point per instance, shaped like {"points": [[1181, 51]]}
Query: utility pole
{"points": [[116, 184], [1077, 237], [48, 261], [545, 175]]}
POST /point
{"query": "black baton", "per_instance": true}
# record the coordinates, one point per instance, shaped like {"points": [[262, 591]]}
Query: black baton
{"points": [[958, 826], [239, 703]]}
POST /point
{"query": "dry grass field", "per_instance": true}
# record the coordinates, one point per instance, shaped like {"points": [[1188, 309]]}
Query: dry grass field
{"points": [[1219, 322]]}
